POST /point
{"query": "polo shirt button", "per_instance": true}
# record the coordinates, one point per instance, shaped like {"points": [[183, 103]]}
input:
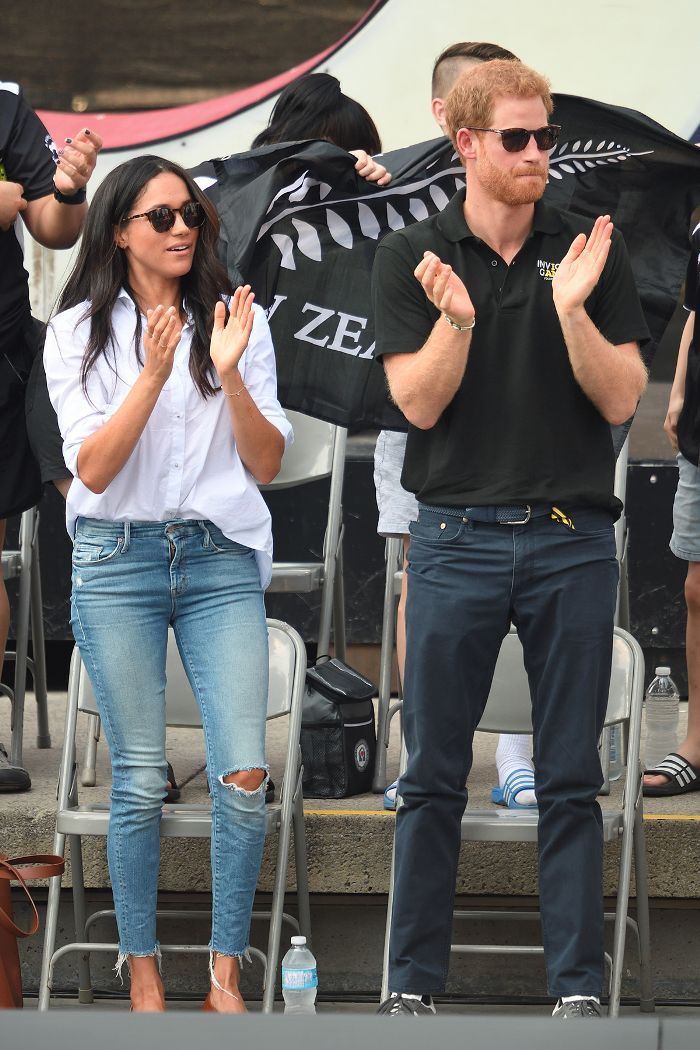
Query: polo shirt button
{"points": [[494, 262]]}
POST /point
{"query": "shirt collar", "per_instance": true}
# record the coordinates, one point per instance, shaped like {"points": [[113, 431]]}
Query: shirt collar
{"points": [[453, 225]]}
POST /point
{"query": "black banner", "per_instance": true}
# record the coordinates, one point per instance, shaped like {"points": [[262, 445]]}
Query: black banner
{"points": [[302, 228]]}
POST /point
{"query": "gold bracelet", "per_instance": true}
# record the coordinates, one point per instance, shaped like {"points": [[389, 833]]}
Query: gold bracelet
{"points": [[236, 393], [460, 327]]}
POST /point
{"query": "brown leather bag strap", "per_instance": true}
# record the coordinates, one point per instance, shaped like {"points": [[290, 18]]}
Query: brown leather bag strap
{"points": [[37, 866], [8, 871]]}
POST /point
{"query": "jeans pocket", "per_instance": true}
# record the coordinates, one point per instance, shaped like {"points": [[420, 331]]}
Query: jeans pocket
{"points": [[216, 541], [592, 522], [94, 550], [433, 528]]}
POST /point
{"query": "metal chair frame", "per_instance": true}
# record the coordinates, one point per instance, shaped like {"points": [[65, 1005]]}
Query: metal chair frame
{"points": [[73, 820], [23, 565]]}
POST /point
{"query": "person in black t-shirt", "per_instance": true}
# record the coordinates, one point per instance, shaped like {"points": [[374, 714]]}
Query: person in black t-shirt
{"points": [[680, 771], [510, 334], [46, 187]]}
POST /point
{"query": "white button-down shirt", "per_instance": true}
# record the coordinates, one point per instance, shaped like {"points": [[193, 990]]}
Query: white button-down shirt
{"points": [[185, 464]]}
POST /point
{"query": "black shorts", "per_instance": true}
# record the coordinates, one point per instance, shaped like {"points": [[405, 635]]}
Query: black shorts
{"points": [[42, 427], [20, 478]]}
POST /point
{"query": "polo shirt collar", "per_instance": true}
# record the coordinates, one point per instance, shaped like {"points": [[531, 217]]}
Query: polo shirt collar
{"points": [[453, 225]]}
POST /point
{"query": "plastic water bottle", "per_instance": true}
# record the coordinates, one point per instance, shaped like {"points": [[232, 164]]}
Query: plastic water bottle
{"points": [[661, 714], [299, 979]]}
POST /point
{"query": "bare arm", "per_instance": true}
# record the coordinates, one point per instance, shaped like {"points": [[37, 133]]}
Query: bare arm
{"points": [[423, 384], [613, 377], [104, 453], [258, 441], [675, 401], [57, 225]]}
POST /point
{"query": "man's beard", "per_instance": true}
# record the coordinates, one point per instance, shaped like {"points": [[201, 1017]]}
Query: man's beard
{"points": [[510, 187]]}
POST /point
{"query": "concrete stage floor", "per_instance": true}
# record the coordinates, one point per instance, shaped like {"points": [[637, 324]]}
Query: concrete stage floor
{"points": [[349, 855]]}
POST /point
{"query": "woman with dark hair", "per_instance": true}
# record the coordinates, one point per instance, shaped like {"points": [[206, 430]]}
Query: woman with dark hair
{"points": [[164, 386], [314, 107]]}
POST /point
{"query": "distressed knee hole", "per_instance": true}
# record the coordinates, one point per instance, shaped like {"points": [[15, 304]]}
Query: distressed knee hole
{"points": [[249, 781]]}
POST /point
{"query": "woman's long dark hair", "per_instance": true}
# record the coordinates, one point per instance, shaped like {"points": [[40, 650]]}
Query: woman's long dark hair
{"points": [[314, 107], [101, 271]]}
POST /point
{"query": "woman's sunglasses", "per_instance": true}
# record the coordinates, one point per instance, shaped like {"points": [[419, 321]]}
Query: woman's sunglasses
{"points": [[516, 139], [163, 219]]}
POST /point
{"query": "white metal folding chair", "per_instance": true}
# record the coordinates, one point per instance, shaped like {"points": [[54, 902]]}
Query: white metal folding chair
{"points": [[317, 452], [392, 589], [73, 820], [23, 565], [509, 711]]}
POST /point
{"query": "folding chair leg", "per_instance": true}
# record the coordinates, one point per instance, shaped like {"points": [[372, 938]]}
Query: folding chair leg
{"points": [[390, 902], [22, 639], [339, 643], [89, 775], [273, 942], [621, 910], [386, 660], [303, 904], [43, 738], [646, 988], [51, 926], [79, 913], [387, 932]]}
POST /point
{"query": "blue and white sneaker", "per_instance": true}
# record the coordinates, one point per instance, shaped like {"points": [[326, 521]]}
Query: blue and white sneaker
{"points": [[390, 796]]}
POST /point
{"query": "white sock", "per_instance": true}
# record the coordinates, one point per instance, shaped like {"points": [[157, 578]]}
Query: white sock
{"points": [[407, 995], [580, 999], [514, 751]]}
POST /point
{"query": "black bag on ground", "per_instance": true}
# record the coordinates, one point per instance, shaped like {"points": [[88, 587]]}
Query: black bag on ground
{"points": [[338, 738]]}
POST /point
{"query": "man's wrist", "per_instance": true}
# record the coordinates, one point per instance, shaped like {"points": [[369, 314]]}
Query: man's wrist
{"points": [[459, 326], [76, 197]]}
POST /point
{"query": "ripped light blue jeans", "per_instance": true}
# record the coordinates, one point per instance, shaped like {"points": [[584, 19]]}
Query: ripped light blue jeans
{"points": [[131, 580]]}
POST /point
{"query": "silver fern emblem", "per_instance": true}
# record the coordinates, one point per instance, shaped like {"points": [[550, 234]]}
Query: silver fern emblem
{"points": [[578, 158], [348, 220]]}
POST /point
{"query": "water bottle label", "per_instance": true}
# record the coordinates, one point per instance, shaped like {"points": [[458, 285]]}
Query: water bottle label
{"points": [[299, 980]]}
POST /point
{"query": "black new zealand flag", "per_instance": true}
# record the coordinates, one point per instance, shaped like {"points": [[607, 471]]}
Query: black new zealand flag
{"points": [[302, 228]]}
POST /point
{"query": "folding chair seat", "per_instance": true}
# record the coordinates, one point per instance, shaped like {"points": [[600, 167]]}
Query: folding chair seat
{"points": [[23, 565], [75, 820], [317, 452], [508, 710]]}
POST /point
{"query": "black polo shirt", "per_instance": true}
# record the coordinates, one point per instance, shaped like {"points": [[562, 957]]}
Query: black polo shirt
{"points": [[689, 419], [519, 429], [27, 156]]}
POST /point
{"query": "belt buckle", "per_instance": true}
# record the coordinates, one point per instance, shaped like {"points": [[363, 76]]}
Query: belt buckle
{"points": [[522, 521]]}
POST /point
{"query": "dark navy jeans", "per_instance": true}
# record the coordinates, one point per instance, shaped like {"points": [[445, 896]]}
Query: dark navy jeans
{"points": [[467, 582]]}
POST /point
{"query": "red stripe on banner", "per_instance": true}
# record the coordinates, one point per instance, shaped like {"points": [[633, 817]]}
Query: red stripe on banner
{"points": [[121, 131]]}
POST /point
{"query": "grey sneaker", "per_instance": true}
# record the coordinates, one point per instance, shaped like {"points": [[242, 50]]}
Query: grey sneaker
{"points": [[398, 1005], [579, 1008], [12, 778]]}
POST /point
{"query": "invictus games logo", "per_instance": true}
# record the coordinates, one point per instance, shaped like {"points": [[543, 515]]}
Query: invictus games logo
{"points": [[361, 755], [547, 269]]}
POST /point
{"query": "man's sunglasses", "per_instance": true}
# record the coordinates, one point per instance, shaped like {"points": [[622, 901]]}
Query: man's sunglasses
{"points": [[163, 219], [516, 139]]}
